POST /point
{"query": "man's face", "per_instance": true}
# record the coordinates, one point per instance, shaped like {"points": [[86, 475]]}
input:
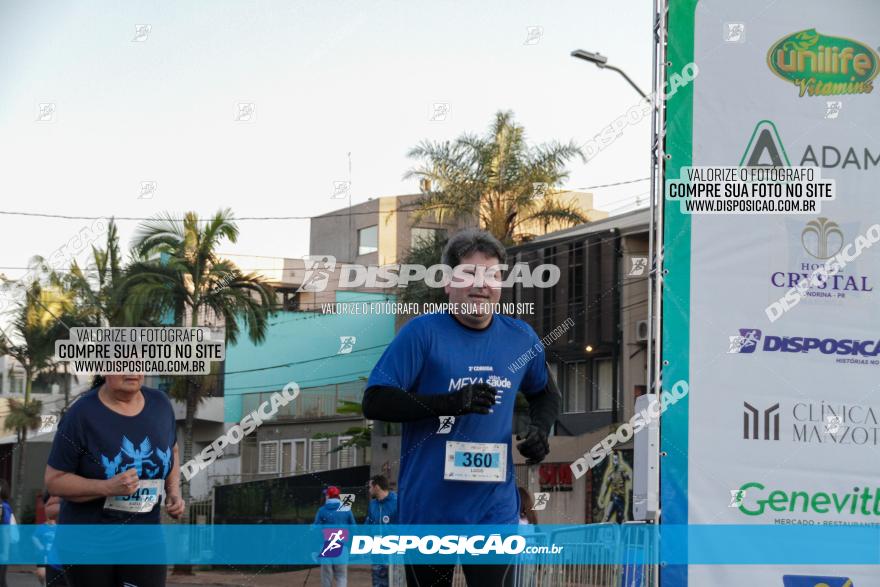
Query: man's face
{"points": [[483, 287]]}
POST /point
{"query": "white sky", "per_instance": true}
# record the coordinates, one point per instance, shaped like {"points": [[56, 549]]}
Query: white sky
{"points": [[326, 77]]}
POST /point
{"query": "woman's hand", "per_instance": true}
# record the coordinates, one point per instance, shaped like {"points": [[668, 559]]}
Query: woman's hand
{"points": [[124, 483], [53, 507], [174, 505]]}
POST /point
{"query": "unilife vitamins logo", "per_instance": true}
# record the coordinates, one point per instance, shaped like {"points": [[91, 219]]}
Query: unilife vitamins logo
{"points": [[824, 65]]}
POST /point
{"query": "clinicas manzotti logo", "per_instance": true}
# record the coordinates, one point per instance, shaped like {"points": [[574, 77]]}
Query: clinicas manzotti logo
{"points": [[822, 65]]}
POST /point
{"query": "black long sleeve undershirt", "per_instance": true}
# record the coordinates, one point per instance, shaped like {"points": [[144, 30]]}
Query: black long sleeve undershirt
{"points": [[392, 404], [544, 407]]}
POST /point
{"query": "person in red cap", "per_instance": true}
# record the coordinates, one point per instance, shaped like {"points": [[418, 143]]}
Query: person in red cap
{"points": [[334, 513]]}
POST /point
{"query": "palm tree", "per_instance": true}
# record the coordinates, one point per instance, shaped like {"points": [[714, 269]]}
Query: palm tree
{"points": [[98, 285], [499, 179], [180, 273], [37, 323], [426, 252]]}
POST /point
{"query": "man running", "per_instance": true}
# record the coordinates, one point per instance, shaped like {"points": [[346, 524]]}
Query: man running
{"points": [[446, 377]]}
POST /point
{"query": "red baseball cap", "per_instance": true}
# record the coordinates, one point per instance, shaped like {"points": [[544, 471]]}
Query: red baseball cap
{"points": [[332, 491]]}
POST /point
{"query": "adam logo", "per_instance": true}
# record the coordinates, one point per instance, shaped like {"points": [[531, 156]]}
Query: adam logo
{"points": [[446, 423], [541, 501], [318, 270], [745, 342], [765, 148], [822, 238], [752, 422], [334, 540], [346, 500]]}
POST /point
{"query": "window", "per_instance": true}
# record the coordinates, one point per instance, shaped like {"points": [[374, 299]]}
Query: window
{"points": [[347, 456], [319, 454], [293, 457], [268, 457], [548, 304], [423, 236], [287, 299], [576, 277], [603, 384], [575, 387], [368, 240]]}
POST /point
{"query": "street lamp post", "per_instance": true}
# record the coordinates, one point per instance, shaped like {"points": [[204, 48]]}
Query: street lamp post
{"points": [[601, 62]]}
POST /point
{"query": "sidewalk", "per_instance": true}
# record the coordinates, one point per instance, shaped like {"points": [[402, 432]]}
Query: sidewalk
{"points": [[358, 576]]}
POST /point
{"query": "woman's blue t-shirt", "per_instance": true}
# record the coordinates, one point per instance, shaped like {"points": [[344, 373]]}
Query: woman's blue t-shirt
{"points": [[95, 442]]}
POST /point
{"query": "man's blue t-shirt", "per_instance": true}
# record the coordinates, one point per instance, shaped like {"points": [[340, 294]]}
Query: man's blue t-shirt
{"points": [[95, 442], [436, 354]]}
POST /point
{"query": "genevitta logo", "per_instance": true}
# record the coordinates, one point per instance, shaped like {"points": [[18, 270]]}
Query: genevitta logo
{"points": [[334, 541], [758, 499], [847, 350]]}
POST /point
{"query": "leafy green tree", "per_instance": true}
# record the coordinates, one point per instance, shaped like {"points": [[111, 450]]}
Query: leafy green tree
{"points": [[360, 435], [179, 272], [498, 180], [37, 322], [426, 252], [99, 288]]}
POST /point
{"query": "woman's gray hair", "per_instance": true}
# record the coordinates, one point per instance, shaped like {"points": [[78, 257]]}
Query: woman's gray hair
{"points": [[471, 240]]}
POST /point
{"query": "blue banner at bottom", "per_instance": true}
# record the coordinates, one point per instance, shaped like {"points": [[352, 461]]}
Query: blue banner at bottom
{"points": [[283, 544]]}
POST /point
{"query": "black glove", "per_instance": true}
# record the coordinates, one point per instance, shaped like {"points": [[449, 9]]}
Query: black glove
{"points": [[476, 398], [534, 446]]}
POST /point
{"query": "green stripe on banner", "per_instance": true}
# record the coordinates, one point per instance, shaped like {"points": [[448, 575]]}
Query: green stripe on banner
{"points": [[676, 284]]}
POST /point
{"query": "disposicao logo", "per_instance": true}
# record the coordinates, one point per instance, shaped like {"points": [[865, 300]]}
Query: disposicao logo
{"points": [[821, 65], [749, 339], [815, 581], [334, 540]]}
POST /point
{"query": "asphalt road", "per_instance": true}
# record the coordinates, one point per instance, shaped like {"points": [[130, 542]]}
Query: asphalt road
{"points": [[30, 580]]}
